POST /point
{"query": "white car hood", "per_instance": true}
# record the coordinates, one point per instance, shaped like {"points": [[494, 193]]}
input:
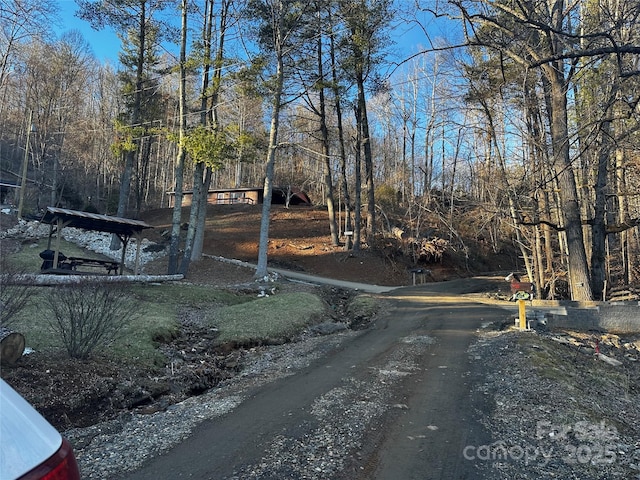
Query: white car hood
{"points": [[26, 438]]}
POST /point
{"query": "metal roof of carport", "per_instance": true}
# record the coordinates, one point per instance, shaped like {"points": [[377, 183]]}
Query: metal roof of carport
{"points": [[94, 221], [124, 228]]}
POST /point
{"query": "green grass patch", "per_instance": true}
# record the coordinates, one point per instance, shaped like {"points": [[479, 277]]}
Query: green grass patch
{"points": [[363, 306], [185, 294], [267, 320], [241, 319], [137, 342]]}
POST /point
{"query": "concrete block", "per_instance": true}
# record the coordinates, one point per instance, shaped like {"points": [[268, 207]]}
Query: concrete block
{"points": [[615, 318]]}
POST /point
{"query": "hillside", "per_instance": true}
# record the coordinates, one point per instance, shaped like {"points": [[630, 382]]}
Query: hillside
{"points": [[300, 241]]}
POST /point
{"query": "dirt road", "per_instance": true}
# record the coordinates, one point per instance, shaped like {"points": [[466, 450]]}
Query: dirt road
{"points": [[393, 402]]}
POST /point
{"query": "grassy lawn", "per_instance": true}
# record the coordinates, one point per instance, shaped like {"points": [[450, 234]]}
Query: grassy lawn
{"points": [[240, 319], [270, 319]]}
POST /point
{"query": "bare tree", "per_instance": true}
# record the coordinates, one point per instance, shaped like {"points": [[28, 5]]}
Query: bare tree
{"points": [[279, 23], [135, 18], [536, 35], [179, 168], [20, 20], [317, 85], [366, 24]]}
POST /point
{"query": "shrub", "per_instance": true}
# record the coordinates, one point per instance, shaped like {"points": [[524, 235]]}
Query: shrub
{"points": [[90, 315], [387, 196], [14, 295]]}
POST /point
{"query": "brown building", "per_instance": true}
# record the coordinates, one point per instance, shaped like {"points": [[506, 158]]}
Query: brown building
{"points": [[252, 196]]}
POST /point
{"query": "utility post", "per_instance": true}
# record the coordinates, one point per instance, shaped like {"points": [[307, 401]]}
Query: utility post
{"points": [[25, 164], [522, 315]]}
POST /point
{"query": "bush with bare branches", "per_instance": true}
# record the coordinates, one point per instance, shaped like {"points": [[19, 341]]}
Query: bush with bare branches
{"points": [[90, 315], [14, 294]]}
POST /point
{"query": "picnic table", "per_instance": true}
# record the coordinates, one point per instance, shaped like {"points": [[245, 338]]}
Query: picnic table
{"points": [[109, 265], [69, 265]]}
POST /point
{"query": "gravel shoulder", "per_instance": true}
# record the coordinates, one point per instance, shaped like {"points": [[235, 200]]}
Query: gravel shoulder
{"points": [[556, 410]]}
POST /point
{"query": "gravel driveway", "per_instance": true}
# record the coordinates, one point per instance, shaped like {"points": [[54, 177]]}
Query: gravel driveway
{"points": [[429, 391]]}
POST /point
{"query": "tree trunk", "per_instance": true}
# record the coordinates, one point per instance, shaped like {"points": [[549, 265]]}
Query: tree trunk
{"points": [[623, 216], [344, 184], [538, 263], [263, 245], [127, 173], [198, 241], [197, 217], [579, 281], [11, 346], [174, 242], [202, 174], [324, 131], [365, 139], [197, 203], [599, 228], [357, 207]]}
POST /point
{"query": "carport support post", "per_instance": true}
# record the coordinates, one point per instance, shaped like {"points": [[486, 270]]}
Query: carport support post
{"points": [[136, 268], [522, 315], [124, 240], [56, 253], [60, 224]]}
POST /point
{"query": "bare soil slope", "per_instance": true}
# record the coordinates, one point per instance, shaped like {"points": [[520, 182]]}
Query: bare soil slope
{"points": [[299, 240]]}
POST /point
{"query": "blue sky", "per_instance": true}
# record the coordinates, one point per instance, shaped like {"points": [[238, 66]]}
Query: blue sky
{"points": [[106, 45]]}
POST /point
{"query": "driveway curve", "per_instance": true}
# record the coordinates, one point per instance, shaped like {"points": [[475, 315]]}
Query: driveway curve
{"points": [[392, 402]]}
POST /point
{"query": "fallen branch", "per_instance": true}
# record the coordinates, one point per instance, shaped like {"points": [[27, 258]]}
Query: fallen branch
{"points": [[611, 361], [301, 247], [50, 280]]}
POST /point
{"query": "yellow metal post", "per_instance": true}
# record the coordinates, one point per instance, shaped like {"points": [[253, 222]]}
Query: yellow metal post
{"points": [[522, 314]]}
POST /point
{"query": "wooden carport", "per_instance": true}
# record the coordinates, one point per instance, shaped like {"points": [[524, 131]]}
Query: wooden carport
{"points": [[123, 228]]}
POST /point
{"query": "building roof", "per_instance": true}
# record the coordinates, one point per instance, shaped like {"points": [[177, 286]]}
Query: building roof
{"points": [[221, 190], [94, 221]]}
